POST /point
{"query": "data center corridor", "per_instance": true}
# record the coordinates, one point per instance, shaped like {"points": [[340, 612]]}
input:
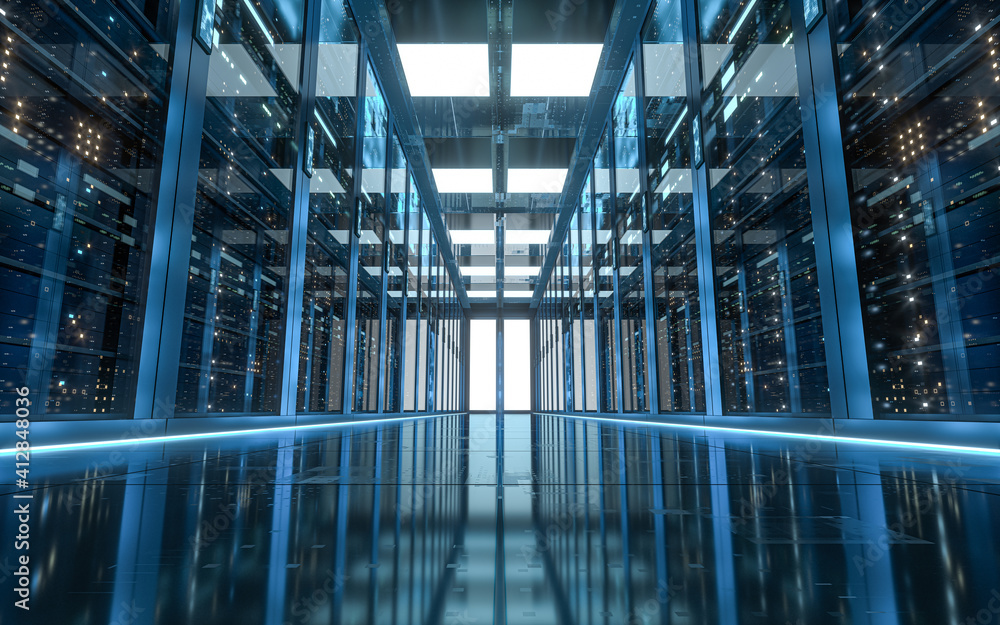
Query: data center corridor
{"points": [[726, 268]]}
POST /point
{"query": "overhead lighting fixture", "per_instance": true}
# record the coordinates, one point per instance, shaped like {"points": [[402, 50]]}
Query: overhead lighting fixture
{"points": [[464, 180], [478, 271], [553, 69], [514, 270], [526, 237], [536, 180], [472, 237], [446, 69]]}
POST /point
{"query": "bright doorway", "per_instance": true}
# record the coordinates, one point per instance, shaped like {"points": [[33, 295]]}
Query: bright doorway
{"points": [[483, 363]]}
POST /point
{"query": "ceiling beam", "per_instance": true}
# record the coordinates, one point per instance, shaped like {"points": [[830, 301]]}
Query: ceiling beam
{"points": [[623, 32], [499, 39], [376, 29]]}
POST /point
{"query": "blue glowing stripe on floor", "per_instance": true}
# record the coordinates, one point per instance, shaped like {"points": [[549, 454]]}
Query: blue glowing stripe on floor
{"points": [[184, 437], [821, 437]]}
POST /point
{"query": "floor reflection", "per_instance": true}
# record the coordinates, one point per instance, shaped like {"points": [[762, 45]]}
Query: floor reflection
{"points": [[591, 523]]}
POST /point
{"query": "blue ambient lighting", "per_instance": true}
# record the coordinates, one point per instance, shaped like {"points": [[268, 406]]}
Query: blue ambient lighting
{"points": [[183, 437], [820, 437]]}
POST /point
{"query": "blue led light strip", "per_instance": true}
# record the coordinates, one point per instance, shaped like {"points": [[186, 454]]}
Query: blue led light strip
{"points": [[183, 437], [821, 437]]}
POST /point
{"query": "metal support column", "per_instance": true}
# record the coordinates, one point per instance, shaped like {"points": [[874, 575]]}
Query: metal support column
{"points": [[383, 351], [836, 266], [702, 218], [652, 405], [352, 269], [295, 285], [466, 360], [173, 224], [614, 257], [404, 303]]}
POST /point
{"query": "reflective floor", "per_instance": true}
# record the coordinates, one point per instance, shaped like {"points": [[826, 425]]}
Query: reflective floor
{"points": [[592, 523]]}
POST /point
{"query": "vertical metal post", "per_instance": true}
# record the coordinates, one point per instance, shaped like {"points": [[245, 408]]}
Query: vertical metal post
{"points": [[501, 238], [419, 304], [466, 361], [533, 378], [173, 224], [596, 276], [350, 335], [381, 385], [652, 361], [616, 333], [295, 285], [702, 220], [836, 265], [580, 304], [566, 321], [404, 301]]}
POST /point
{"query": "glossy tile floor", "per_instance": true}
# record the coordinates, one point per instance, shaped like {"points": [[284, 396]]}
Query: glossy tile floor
{"points": [[592, 523]]}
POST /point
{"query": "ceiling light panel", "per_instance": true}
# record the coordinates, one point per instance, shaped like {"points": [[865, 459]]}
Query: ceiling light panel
{"points": [[478, 271], [553, 70], [464, 180], [472, 237], [514, 270], [526, 237], [536, 180], [446, 69]]}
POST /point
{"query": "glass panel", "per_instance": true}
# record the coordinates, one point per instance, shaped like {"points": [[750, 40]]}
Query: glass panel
{"points": [[324, 305], [411, 363], [425, 308], [922, 158], [372, 206], [80, 148], [604, 254], [397, 277], [231, 355], [432, 318], [629, 200], [770, 335], [589, 286], [573, 312], [680, 375]]}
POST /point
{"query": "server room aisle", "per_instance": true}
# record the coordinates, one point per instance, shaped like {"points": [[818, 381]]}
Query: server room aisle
{"points": [[592, 522]]}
